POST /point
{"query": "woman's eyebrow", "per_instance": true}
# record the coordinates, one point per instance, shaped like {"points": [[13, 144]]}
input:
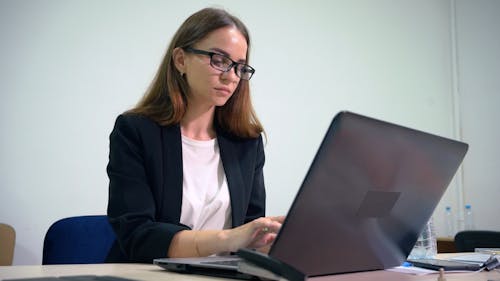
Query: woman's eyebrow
{"points": [[227, 55]]}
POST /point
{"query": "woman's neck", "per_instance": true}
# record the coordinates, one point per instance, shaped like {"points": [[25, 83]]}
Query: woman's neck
{"points": [[198, 123]]}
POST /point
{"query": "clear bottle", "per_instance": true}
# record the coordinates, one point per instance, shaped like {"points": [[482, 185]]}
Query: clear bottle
{"points": [[426, 245], [468, 218], [449, 220]]}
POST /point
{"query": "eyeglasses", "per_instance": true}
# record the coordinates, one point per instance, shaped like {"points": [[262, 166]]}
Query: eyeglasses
{"points": [[224, 64]]}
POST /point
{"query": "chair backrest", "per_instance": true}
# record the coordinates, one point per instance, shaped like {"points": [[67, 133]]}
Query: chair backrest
{"points": [[7, 243], [82, 239], [468, 240]]}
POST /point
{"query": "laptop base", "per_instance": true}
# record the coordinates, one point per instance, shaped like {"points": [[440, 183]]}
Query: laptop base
{"points": [[266, 262]]}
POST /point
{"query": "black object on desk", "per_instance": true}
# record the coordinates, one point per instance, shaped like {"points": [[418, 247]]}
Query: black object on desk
{"points": [[436, 264]]}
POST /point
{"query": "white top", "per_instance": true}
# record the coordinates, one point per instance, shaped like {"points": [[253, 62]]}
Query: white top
{"points": [[205, 196]]}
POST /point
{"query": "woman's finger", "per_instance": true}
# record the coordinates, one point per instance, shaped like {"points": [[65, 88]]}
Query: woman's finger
{"points": [[279, 219]]}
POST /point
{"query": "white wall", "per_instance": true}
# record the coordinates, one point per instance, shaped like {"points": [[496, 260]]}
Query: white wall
{"points": [[68, 68], [478, 41]]}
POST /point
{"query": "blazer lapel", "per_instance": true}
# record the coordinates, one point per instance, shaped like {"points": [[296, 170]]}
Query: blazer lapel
{"points": [[172, 173], [234, 178]]}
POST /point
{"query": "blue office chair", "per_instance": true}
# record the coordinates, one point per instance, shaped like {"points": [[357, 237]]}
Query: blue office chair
{"points": [[82, 239]]}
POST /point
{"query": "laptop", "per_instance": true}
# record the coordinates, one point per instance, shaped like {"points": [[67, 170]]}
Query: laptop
{"points": [[368, 193]]}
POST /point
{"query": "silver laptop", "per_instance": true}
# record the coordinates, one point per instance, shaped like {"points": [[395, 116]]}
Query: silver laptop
{"points": [[369, 191]]}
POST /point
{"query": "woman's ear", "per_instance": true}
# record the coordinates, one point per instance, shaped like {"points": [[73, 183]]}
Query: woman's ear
{"points": [[178, 56]]}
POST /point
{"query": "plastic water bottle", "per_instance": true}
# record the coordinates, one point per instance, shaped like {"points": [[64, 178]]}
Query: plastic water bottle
{"points": [[426, 245], [449, 220], [468, 218]]}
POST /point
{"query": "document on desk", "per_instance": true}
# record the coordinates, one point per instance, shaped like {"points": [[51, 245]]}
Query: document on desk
{"points": [[475, 258], [432, 266], [491, 251]]}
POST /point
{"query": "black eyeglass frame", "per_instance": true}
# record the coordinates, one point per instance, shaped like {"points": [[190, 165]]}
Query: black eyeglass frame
{"points": [[234, 64]]}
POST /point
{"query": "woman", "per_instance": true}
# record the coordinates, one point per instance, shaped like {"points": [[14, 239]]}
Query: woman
{"points": [[185, 164]]}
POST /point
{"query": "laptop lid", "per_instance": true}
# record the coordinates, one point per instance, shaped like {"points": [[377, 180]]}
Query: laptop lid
{"points": [[369, 191]]}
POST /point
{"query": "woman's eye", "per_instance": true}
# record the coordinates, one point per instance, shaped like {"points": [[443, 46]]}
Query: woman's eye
{"points": [[219, 60]]}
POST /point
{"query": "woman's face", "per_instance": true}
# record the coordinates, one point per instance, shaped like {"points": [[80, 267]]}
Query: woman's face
{"points": [[208, 86]]}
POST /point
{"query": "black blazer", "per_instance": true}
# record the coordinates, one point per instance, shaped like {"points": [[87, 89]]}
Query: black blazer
{"points": [[145, 185]]}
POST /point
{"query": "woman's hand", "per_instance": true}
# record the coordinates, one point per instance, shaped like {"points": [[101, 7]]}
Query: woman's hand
{"points": [[258, 233]]}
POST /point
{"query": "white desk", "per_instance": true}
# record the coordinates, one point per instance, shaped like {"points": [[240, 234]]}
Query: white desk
{"points": [[144, 272], [148, 272]]}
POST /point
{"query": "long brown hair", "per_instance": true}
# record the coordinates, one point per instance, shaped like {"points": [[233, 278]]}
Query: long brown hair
{"points": [[165, 101]]}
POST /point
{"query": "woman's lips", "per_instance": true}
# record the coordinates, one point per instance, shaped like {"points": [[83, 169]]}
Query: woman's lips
{"points": [[223, 90]]}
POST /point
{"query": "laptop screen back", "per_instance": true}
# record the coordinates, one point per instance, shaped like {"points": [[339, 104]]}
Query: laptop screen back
{"points": [[371, 188]]}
